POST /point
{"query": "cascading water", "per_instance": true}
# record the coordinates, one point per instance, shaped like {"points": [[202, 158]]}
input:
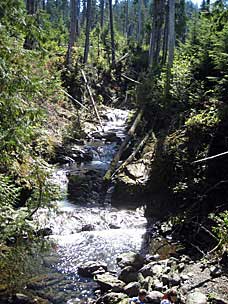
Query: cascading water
{"points": [[91, 229]]}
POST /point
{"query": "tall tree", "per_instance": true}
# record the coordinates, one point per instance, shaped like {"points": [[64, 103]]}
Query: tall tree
{"points": [[88, 26], [31, 7], [171, 37], [139, 31], [112, 33], [72, 36], [102, 13], [156, 33]]}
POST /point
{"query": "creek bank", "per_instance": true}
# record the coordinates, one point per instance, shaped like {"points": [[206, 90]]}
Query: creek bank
{"points": [[197, 282]]}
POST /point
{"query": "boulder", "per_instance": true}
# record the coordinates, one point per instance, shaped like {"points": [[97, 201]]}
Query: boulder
{"points": [[88, 269], [20, 298], [132, 289], [107, 281], [158, 285], [130, 259], [129, 274], [175, 280], [147, 283], [151, 269], [154, 297], [113, 298], [196, 298]]}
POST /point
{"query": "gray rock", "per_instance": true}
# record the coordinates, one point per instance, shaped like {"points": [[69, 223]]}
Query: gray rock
{"points": [[112, 298], [90, 268], [175, 280], [154, 297], [147, 283], [129, 274], [107, 281], [184, 277], [130, 259], [20, 298], [172, 261], [132, 289], [215, 271], [152, 258], [151, 269], [196, 298], [165, 279], [181, 267], [158, 285]]}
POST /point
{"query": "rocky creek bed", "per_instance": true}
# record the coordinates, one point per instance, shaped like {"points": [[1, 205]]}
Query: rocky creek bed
{"points": [[103, 254]]}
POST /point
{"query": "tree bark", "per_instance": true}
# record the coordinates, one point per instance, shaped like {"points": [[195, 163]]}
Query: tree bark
{"points": [[171, 39], [139, 21], [112, 32], [126, 18], [102, 13], [72, 37], [31, 7], [88, 25]]}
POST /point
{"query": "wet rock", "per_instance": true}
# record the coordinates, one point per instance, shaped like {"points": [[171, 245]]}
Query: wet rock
{"points": [[175, 280], [158, 285], [132, 289], [152, 258], [214, 299], [50, 261], [196, 298], [43, 281], [88, 227], [130, 259], [151, 269], [165, 279], [107, 281], [112, 298], [90, 268], [154, 297], [215, 271], [44, 232], [147, 283], [20, 298], [181, 267], [129, 274]]}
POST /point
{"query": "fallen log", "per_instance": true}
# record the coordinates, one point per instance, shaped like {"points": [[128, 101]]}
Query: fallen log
{"points": [[116, 158], [91, 98], [132, 156]]}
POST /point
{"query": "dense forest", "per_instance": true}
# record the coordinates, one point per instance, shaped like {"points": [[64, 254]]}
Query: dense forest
{"points": [[62, 62]]}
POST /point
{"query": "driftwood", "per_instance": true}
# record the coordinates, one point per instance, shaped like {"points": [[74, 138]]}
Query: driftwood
{"points": [[132, 156], [91, 98], [130, 79], [116, 158], [74, 99], [210, 157]]}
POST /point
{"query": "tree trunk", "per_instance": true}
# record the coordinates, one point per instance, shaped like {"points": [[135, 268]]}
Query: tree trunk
{"points": [[31, 7], [126, 18], [73, 5], [112, 32], [78, 19], [171, 40], [139, 21], [102, 13], [88, 25], [116, 158], [156, 33]]}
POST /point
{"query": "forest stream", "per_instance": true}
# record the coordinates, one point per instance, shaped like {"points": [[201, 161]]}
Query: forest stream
{"points": [[91, 229]]}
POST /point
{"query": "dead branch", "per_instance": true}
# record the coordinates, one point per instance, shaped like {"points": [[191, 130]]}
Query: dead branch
{"points": [[74, 99], [116, 158], [91, 98], [132, 80], [210, 157], [132, 156]]}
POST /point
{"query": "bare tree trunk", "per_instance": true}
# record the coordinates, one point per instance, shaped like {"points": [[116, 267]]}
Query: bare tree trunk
{"points": [[78, 19], [88, 25], [31, 7], [72, 37], [83, 13], [165, 36], [171, 39], [112, 32], [126, 18], [156, 33], [139, 22], [102, 13]]}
